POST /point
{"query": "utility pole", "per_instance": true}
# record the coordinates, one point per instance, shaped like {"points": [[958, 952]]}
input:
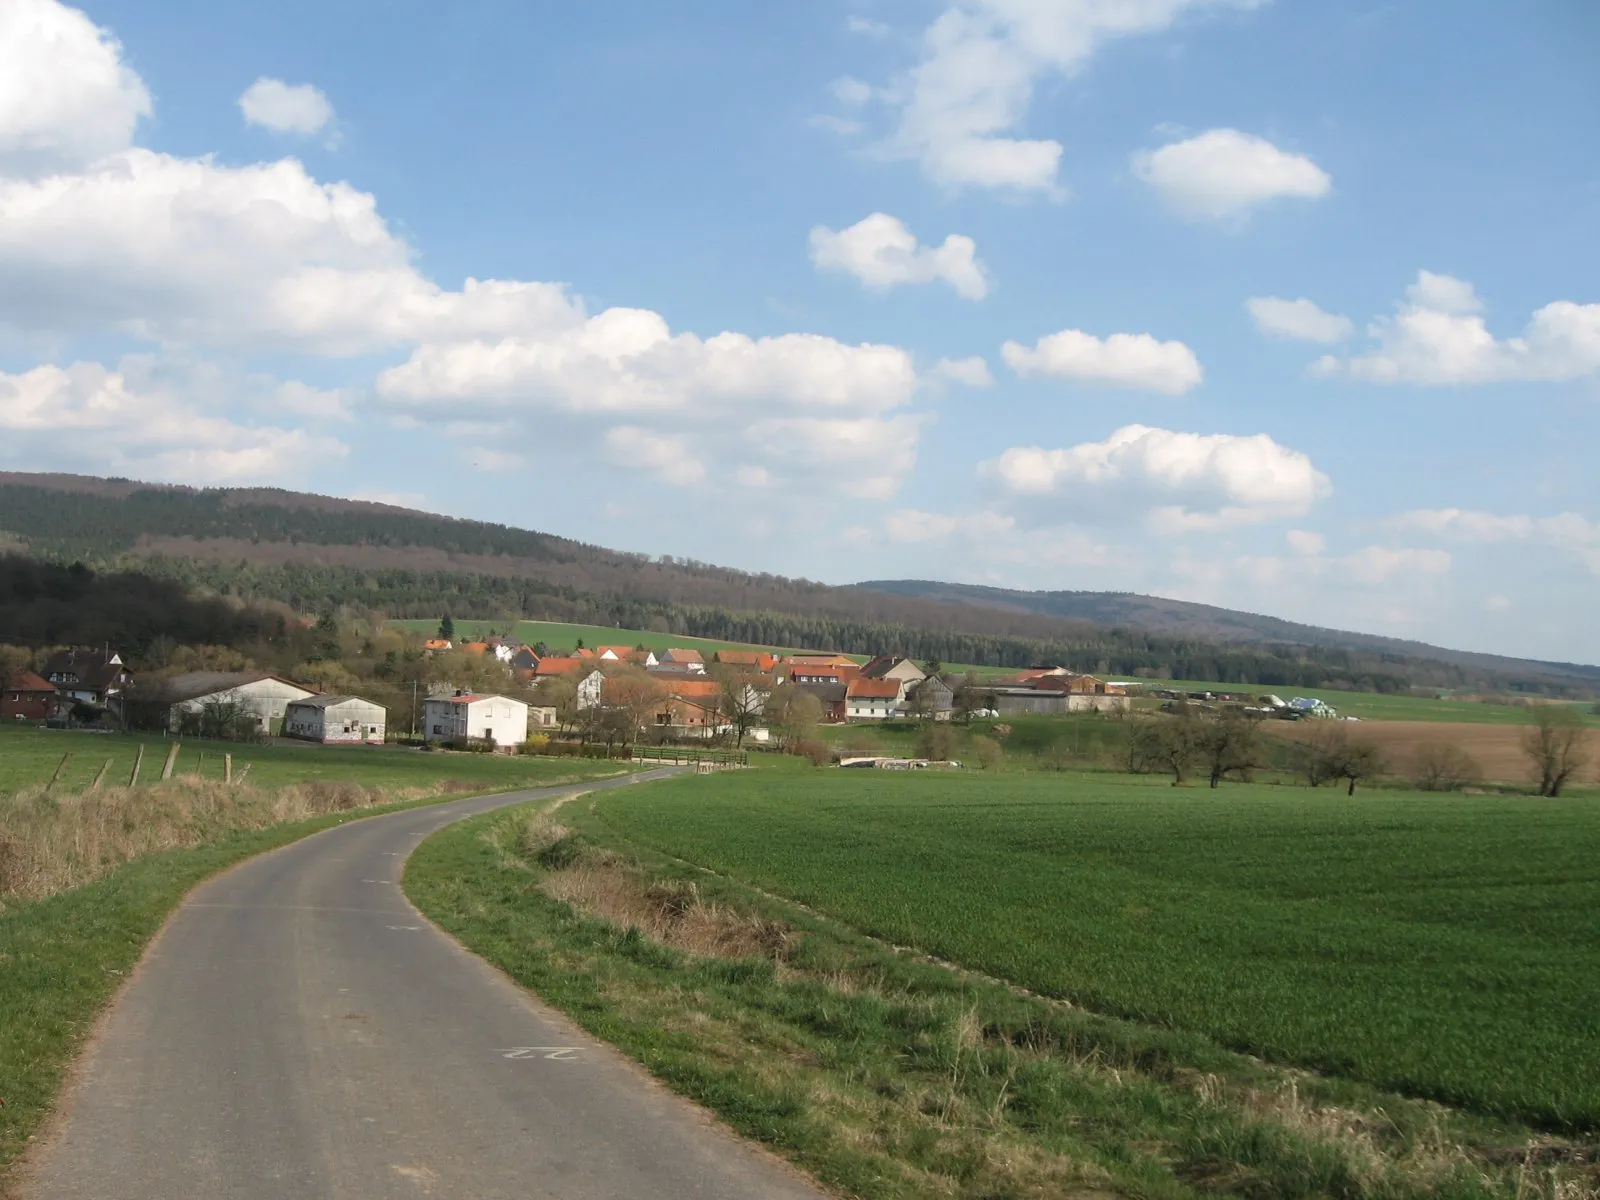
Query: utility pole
{"points": [[413, 708]]}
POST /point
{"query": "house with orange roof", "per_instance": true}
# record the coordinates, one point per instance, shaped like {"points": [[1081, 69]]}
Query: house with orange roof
{"points": [[801, 673], [550, 667], [678, 656], [822, 660], [437, 646], [475, 647], [759, 660], [627, 654], [873, 699]]}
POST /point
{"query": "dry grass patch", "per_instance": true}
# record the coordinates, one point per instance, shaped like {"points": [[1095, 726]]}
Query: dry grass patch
{"points": [[51, 843]]}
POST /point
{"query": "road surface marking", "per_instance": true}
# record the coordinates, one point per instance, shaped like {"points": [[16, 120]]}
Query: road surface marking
{"points": [[553, 1053]]}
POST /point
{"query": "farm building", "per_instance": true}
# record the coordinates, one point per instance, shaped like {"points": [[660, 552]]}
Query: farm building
{"points": [[760, 660], [831, 696], [873, 699], [331, 719], [27, 697], [622, 654], [220, 703], [94, 677], [1310, 706], [497, 719], [681, 657], [896, 667], [931, 697]]}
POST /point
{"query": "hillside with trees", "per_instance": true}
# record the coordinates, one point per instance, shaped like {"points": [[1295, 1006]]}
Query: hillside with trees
{"points": [[317, 556]]}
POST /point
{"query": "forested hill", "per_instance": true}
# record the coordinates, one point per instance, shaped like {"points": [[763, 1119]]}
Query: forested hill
{"points": [[1160, 615], [320, 553]]}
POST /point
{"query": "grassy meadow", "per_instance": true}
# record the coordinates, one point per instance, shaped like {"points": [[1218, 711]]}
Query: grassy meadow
{"points": [[30, 755], [1445, 947], [561, 636]]}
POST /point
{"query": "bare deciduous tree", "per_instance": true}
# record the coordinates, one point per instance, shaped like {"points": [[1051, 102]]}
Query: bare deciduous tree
{"points": [[1444, 767], [740, 701], [1229, 745], [1555, 746]]}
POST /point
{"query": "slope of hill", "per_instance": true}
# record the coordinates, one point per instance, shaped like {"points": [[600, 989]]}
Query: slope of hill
{"points": [[318, 552], [1158, 614]]}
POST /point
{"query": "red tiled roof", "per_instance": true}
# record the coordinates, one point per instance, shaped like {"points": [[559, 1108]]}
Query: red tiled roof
{"points": [[874, 689], [747, 658], [684, 689], [684, 654], [559, 666], [27, 681]]}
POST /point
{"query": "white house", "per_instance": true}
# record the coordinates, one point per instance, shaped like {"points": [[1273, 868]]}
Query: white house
{"points": [[542, 716], [622, 654], [335, 719], [498, 719], [201, 698], [873, 699]]}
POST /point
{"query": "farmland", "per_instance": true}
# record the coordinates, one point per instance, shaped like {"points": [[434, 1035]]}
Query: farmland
{"points": [[1443, 947], [561, 636], [29, 756]]}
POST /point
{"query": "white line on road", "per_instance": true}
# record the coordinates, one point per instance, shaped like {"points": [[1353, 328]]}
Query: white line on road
{"points": [[553, 1053]]}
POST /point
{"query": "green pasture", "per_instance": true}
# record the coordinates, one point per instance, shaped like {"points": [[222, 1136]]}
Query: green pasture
{"points": [[30, 756], [560, 636], [1373, 706], [1443, 946]]}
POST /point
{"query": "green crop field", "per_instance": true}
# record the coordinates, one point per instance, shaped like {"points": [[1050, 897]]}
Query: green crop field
{"points": [[1443, 946], [1372, 706], [29, 756]]}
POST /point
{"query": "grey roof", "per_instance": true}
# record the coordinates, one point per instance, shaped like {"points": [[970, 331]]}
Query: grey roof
{"points": [[332, 701], [828, 693], [208, 683]]}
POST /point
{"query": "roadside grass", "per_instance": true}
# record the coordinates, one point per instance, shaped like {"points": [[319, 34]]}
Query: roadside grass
{"points": [[1442, 946], [887, 1076], [64, 953], [29, 756]]}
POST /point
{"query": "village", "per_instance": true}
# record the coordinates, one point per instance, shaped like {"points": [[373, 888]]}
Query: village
{"points": [[610, 694]]}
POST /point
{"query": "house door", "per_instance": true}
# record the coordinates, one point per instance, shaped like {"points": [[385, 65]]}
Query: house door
{"points": [[488, 735]]}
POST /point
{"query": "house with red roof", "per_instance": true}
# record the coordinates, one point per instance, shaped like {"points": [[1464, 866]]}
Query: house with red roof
{"points": [[873, 699], [27, 697]]}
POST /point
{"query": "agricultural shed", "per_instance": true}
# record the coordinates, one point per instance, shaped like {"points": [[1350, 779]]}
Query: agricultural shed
{"points": [[260, 699], [336, 719]]}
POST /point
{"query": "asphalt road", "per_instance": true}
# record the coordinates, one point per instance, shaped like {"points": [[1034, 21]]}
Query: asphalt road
{"points": [[298, 1031]]}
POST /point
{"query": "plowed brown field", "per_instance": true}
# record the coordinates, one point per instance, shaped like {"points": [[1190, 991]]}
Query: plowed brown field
{"points": [[1496, 748]]}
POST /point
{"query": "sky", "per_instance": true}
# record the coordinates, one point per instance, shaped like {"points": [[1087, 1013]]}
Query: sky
{"points": [[1291, 306]]}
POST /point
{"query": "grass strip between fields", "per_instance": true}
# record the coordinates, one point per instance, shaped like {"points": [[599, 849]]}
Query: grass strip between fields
{"points": [[890, 1077], [63, 957]]}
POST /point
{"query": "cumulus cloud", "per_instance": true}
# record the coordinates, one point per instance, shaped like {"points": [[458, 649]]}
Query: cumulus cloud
{"points": [[1438, 336], [1224, 173], [866, 27], [193, 255], [1298, 320], [668, 456], [1179, 482], [850, 91], [285, 108], [981, 59], [915, 525], [86, 417], [882, 253], [1569, 531], [969, 372], [66, 98], [1303, 541], [1131, 360]]}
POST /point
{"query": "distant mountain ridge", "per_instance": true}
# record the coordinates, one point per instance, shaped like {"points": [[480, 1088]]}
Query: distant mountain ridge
{"points": [[1187, 618], [318, 552]]}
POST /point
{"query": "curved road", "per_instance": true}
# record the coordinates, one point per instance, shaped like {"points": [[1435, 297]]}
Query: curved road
{"points": [[298, 1031]]}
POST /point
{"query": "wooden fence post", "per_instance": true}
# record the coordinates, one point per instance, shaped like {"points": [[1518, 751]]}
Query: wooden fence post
{"points": [[227, 768], [100, 776], [138, 761], [172, 760], [60, 766], [245, 772]]}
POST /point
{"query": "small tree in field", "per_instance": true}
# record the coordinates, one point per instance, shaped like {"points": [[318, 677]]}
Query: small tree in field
{"points": [[1173, 744], [1444, 767], [1318, 756], [1230, 745], [1360, 763], [447, 629], [739, 701], [1555, 747]]}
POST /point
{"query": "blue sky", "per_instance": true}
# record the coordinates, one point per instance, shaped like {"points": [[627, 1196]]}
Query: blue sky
{"points": [[1287, 306]]}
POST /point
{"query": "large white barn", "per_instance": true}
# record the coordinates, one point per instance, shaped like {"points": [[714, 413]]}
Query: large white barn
{"points": [[331, 719], [498, 719], [202, 698]]}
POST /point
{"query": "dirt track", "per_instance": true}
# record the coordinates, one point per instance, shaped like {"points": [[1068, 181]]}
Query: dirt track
{"points": [[1496, 748]]}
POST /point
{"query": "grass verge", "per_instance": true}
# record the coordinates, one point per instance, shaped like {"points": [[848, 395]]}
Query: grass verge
{"points": [[887, 1076], [63, 956]]}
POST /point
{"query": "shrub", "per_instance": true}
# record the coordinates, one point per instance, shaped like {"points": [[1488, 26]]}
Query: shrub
{"points": [[986, 752], [817, 753], [935, 743], [537, 743], [1444, 767]]}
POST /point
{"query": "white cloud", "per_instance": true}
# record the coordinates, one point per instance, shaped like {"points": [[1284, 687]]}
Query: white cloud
{"points": [[1303, 541], [668, 456], [851, 91], [1438, 337], [285, 108], [1179, 482], [1132, 360], [914, 525], [66, 98], [970, 372], [1498, 604], [981, 60], [1223, 173], [85, 417], [843, 126], [1298, 320], [882, 253], [866, 27], [1570, 532], [192, 254]]}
